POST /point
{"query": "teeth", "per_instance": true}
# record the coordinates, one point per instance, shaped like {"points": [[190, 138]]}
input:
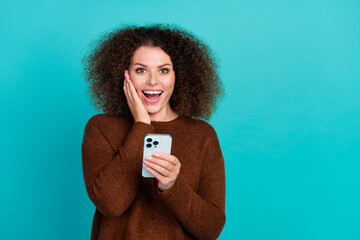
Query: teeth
{"points": [[153, 92]]}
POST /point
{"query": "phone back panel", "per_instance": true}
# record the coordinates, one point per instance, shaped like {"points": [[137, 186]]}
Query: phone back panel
{"points": [[155, 143]]}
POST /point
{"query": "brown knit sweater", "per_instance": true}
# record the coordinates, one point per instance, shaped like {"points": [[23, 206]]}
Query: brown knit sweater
{"points": [[129, 206]]}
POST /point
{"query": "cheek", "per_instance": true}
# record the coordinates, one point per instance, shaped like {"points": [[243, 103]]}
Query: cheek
{"points": [[137, 81], [170, 83]]}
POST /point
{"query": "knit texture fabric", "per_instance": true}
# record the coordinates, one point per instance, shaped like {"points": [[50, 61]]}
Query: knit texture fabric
{"points": [[129, 206]]}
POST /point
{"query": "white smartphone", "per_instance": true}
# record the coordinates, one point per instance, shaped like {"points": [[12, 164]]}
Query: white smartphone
{"points": [[155, 143]]}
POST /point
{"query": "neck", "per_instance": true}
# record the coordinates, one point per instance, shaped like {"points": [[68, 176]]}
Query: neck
{"points": [[165, 115]]}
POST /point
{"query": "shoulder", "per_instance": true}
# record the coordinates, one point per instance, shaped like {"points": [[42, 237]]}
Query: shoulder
{"points": [[107, 124], [202, 131], [200, 126], [104, 120]]}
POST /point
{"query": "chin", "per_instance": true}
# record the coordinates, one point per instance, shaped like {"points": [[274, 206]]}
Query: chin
{"points": [[153, 110]]}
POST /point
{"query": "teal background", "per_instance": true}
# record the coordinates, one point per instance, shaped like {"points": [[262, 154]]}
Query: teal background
{"points": [[288, 127]]}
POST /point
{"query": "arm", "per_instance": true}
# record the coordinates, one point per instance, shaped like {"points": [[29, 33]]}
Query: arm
{"points": [[112, 175], [201, 213]]}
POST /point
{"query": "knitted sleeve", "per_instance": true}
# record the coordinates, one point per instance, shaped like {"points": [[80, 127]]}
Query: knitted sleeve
{"points": [[202, 213], [111, 175]]}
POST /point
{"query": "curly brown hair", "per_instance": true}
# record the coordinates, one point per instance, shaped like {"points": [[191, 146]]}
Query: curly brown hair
{"points": [[197, 84]]}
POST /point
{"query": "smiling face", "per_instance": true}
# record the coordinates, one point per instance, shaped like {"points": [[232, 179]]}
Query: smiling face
{"points": [[151, 71]]}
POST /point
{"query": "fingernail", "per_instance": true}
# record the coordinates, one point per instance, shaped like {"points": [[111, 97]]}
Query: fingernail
{"points": [[148, 158], [156, 154], [146, 162]]}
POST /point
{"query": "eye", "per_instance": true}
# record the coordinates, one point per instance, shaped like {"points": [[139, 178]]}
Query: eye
{"points": [[140, 70], [164, 70]]}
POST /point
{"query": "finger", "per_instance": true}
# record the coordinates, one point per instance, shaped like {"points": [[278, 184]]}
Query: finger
{"points": [[155, 173], [127, 89], [161, 162], [133, 92], [163, 171], [125, 82], [171, 158], [128, 95], [127, 76], [132, 89]]}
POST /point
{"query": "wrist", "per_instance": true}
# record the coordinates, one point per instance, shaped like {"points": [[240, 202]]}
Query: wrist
{"points": [[143, 121]]}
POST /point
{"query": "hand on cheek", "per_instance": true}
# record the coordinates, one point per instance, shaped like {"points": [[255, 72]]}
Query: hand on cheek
{"points": [[136, 106]]}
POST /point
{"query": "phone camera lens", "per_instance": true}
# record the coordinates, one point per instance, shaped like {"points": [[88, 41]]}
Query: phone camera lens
{"points": [[148, 145], [149, 140], [156, 142]]}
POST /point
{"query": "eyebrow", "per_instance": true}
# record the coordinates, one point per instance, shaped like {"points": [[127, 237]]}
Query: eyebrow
{"points": [[158, 66]]}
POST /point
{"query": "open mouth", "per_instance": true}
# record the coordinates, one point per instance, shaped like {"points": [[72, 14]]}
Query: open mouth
{"points": [[152, 94]]}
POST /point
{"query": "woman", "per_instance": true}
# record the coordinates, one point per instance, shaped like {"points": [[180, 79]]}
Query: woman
{"points": [[154, 79]]}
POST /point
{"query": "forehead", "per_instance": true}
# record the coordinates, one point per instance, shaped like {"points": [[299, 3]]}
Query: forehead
{"points": [[150, 56]]}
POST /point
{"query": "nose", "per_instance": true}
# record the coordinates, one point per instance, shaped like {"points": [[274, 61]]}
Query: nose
{"points": [[152, 78]]}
